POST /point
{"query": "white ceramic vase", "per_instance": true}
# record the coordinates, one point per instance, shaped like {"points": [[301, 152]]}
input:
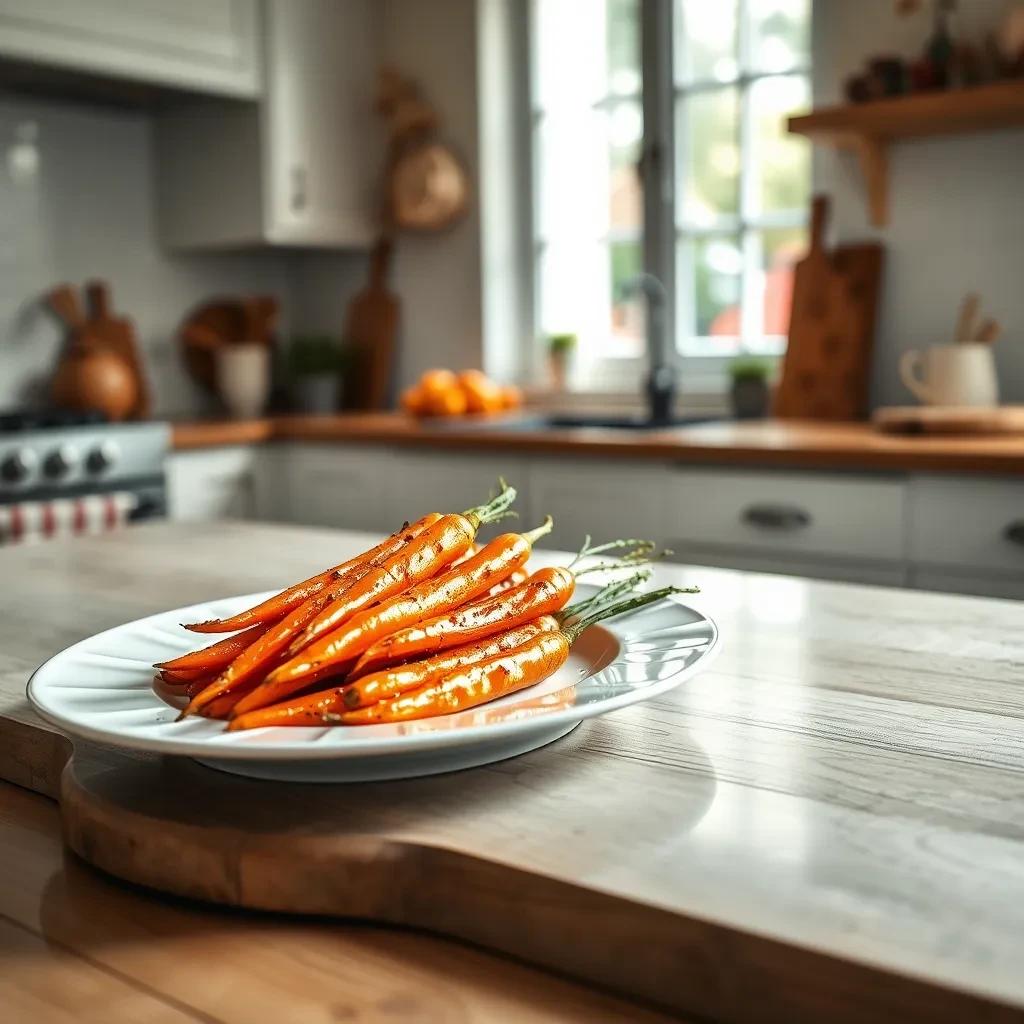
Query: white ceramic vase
{"points": [[243, 378]]}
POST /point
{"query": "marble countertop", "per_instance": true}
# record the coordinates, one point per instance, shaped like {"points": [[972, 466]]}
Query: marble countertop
{"points": [[847, 778]]}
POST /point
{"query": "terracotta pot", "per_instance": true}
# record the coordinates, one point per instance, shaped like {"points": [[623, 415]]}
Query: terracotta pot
{"points": [[95, 381]]}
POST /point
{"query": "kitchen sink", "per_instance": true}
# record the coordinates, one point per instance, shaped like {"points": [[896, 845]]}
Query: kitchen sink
{"points": [[532, 424]]}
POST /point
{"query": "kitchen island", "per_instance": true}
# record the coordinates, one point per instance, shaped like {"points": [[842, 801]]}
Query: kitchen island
{"points": [[827, 824]]}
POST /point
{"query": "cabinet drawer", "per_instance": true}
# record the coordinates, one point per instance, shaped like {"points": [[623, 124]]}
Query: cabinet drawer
{"points": [[969, 523], [855, 517], [593, 497]]}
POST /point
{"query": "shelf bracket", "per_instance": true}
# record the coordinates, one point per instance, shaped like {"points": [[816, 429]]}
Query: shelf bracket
{"points": [[874, 166]]}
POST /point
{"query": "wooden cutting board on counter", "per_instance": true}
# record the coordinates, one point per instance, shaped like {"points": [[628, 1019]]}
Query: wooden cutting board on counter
{"points": [[827, 365], [782, 838], [949, 420]]}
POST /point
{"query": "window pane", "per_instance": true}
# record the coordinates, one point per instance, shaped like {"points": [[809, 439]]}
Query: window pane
{"points": [[584, 52], [707, 139], [710, 275], [779, 34], [623, 21], [574, 291], [627, 324], [778, 249], [587, 179], [779, 162], [705, 40], [625, 128]]}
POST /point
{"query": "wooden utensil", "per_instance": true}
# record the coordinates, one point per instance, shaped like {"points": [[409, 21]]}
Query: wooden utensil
{"points": [[968, 315], [988, 332], [99, 368], [64, 302], [117, 335], [372, 329], [832, 325], [224, 322]]}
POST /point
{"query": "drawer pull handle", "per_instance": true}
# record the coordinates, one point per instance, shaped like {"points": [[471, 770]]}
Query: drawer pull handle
{"points": [[1014, 533], [777, 517]]}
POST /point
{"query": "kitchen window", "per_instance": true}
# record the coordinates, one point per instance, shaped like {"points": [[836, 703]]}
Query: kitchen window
{"points": [[729, 219]]}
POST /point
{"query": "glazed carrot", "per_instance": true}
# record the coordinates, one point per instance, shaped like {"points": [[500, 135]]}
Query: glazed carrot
{"points": [[337, 650], [544, 592], [513, 579], [247, 668], [216, 656], [421, 556], [219, 708], [525, 665], [311, 708], [400, 583], [276, 607], [450, 538]]}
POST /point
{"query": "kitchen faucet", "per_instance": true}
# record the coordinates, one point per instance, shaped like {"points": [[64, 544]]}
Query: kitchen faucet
{"points": [[660, 386]]}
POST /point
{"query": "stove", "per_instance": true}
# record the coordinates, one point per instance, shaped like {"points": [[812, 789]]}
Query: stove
{"points": [[66, 472]]}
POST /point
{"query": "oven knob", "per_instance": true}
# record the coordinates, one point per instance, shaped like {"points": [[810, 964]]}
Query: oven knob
{"points": [[102, 457], [60, 462], [17, 466]]}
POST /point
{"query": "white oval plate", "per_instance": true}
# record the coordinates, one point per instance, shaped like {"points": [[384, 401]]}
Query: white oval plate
{"points": [[101, 689]]}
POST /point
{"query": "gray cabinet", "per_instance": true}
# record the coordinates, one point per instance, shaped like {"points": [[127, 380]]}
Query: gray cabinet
{"points": [[299, 169], [207, 46]]}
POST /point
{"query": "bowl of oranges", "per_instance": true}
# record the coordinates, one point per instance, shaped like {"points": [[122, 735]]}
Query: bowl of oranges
{"points": [[470, 393]]}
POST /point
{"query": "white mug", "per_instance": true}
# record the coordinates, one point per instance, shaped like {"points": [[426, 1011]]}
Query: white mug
{"points": [[962, 374], [243, 378]]}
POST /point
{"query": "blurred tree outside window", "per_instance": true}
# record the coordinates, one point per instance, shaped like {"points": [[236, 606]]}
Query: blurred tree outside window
{"points": [[739, 69]]}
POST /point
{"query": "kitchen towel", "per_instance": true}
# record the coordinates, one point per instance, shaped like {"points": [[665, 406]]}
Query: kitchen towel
{"points": [[30, 521]]}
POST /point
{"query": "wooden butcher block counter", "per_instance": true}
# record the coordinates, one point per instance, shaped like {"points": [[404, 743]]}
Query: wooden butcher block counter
{"points": [[827, 824], [805, 445]]}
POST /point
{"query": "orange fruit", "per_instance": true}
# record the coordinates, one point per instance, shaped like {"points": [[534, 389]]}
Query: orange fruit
{"points": [[511, 397], [412, 400], [482, 394], [450, 402], [438, 380]]}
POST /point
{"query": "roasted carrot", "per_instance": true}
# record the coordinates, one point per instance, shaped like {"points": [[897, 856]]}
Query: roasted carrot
{"points": [[311, 708], [399, 594], [544, 592], [216, 656], [246, 669], [336, 651], [525, 665], [449, 540], [276, 607], [513, 579], [419, 557]]}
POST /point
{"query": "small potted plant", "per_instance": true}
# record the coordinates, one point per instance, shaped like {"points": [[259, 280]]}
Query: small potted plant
{"points": [[561, 349], [315, 365], [749, 388]]}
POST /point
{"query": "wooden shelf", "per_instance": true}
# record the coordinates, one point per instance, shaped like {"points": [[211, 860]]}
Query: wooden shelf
{"points": [[869, 128]]}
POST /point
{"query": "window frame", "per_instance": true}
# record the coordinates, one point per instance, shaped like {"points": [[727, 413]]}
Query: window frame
{"points": [[664, 231]]}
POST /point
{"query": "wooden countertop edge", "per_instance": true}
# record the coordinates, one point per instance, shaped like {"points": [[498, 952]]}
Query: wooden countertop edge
{"points": [[806, 446]]}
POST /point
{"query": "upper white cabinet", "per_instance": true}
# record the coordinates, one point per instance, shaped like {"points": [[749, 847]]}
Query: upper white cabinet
{"points": [[209, 46], [299, 169]]}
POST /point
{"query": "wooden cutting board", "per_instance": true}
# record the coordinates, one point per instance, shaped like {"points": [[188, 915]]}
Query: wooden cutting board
{"points": [[372, 329], [950, 419], [832, 325], [821, 827]]}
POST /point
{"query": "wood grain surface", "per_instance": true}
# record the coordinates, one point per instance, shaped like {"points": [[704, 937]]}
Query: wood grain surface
{"points": [[77, 946], [829, 824], [809, 445]]}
